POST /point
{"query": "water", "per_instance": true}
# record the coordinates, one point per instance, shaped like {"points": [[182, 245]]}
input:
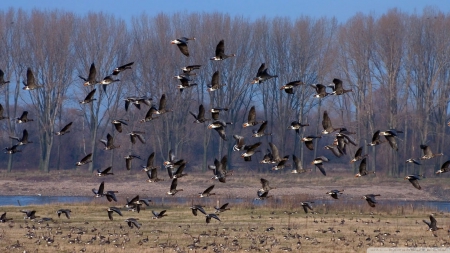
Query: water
{"points": [[440, 206]]}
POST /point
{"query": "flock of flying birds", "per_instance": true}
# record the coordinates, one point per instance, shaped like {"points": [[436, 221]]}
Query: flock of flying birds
{"points": [[175, 167]]}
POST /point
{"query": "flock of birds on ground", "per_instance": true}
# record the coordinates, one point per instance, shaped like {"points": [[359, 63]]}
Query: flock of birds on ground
{"points": [[175, 167]]}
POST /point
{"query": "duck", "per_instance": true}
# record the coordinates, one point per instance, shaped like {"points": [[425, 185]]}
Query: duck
{"points": [[240, 143], [320, 90], [22, 141], [249, 151], [261, 131], [326, 124], [335, 193], [196, 208], [375, 139], [104, 172], [128, 160], [150, 165], [117, 123], [200, 117], [296, 125], [12, 150], [298, 167], [159, 215], [427, 154], [289, 87], [85, 160], [89, 98], [188, 69], [414, 180], [262, 75], [136, 135], [207, 192], [91, 80], [370, 198], [100, 191], [133, 222], [109, 142], [31, 84], [112, 210], [211, 215], [182, 44], [65, 129], [220, 52], [122, 68], [2, 78], [149, 115], [215, 82], [306, 206], [153, 176], [444, 168], [23, 118], [1, 113], [432, 225], [222, 208], [251, 118], [173, 187], [362, 169], [318, 161], [337, 87], [358, 155], [308, 140], [65, 212]]}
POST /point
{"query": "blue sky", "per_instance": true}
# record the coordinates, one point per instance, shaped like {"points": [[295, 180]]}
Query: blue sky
{"points": [[341, 9]]}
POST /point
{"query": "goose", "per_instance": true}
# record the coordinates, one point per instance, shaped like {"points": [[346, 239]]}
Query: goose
{"points": [[375, 139], [306, 206], [89, 98], [222, 208], [133, 222], [326, 124], [336, 152], [320, 90], [444, 168], [119, 69], [432, 225], [117, 123], [342, 141], [65, 212], [137, 101], [262, 75], [153, 176], [111, 210], [162, 105], [362, 169], [427, 154], [173, 187], [275, 153], [12, 150], [23, 118], [211, 215], [29, 214], [109, 142], [412, 160], [268, 157], [91, 80], [171, 160], [185, 83], [149, 115], [182, 44], [215, 82], [414, 180], [159, 215], [200, 117], [318, 161], [251, 118], [358, 155], [217, 124], [260, 132], [220, 169], [108, 80], [298, 167], [308, 140], [136, 135], [370, 198], [337, 87], [136, 203], [220, 52], [128, 160], [390, 136], [334, 193], [2, 78], [196, 208], [296, 125], [85, 160], [150, 165], [262, 195], [1, 113], [22, 141], [190, 68], [179, 172], [3, 218], [111, 195], [289, 87], [100, 192], [249, 151], [65, 129], [104, 172], [30, 84], [265, 185], [281, 164], [207, 192], [240, 144]]}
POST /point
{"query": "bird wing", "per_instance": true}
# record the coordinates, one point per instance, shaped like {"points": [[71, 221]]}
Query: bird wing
{"points": [[239, 142], [297, 163], [432, 221], [275, 153], [309, 145], [101, 188], [162, 102], [392, 141], [426, 150], [220, 48], [326, 122], [445, 166], [86, 158], [173, 185], [221, 131], [150, 159], [209, 189], [251, 115], [362, 167], [376, 136], [92, 73], [261, 69], [215, 80], [183, 48], [262, 127], [415, 183], [321, 168], [30, 78]]}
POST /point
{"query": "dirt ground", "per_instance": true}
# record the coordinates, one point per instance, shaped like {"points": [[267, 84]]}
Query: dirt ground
{"points": [[239, 185]]}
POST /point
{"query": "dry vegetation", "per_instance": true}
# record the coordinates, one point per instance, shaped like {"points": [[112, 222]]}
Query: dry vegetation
{"points": [[247, 226]]}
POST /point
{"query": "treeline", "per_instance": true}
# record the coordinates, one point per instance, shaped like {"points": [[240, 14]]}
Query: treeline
{"points": [[397, 65]]}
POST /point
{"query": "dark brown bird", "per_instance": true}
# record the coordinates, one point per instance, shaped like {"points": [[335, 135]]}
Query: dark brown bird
{"points": [[358, 155], [207, 192], [334, 193], [200, 117], [111, 210], [289, 87], [22, 141], [308, 140], [390, 136], [362, 169], [414, 179], [251, 119], [65, 212], [85, 160], [370, 198], [220, 52], [65, 129], [117, 70], [427, 154], [220, 169], [137, 135], [375, 139], [319, 163], [298, 167], [30, 84], [262, 75], [128, 160], [173, 187], [326, 124], [91, 80], [182, 44], [149, 115], [249, 151], [337, 87], [215, 82], [261, 131], [2, 78], [222, 208], [159, 215], [432, 225], [104, 172], [321, 90], [109, 142], [89, 98], [265, 185], [196, 208], [296, 125], [118, 124], [23, 118], [306, 206], [150, 165], [444, 168], [153, 175], [240, 144]]}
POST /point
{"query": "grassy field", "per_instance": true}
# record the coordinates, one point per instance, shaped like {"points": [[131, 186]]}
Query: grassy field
{"points": [[246, 227]]}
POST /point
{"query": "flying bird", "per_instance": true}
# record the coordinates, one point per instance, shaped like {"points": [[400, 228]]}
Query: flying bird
{"points": [[85, 160], [109, 142], [414, 179], [65, 212], [289, 87], [89, 98], [370, 198], [362, 169], [334, 193], [220, 52], [319, 163], [262, 75], [65, 129], [444, 168], [91, 77], [104, 172], [2, 78], [215, 82], [30, 84], [182, 44], [173, 187], [427, 153], [337, 87], [251, 119], [119, 69]]}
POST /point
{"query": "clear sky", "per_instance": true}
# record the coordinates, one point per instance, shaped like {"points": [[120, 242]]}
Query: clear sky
{"points": [[341, 9]]}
